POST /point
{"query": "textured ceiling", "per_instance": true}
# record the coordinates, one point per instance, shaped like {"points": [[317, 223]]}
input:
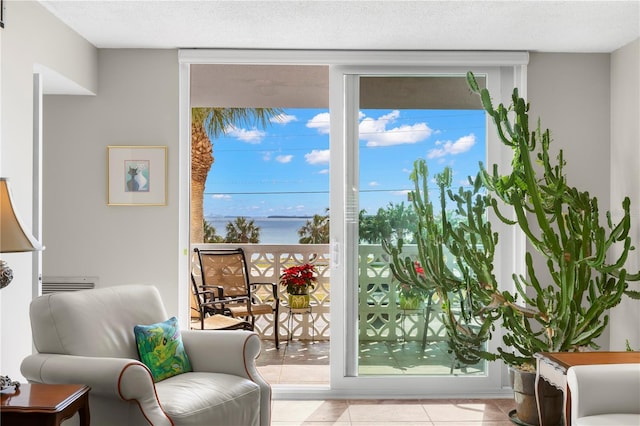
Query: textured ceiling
{"points": [[549, 26]]}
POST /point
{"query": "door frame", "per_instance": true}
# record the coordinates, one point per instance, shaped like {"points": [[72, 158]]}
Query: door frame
{"points": [[344, 67]]}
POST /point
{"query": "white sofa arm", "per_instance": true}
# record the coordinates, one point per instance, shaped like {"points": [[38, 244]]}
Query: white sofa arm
{"points": [[119, 378]]}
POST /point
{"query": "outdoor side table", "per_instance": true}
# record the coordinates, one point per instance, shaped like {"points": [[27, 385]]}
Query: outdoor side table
{"points": [[404, 313], [300, 311], [38, 404]]}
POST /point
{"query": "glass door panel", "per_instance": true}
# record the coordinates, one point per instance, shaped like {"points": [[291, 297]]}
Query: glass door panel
{"points": [[402, 119]]}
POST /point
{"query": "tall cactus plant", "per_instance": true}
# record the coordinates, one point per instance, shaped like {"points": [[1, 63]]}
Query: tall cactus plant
{"points": [[464, 286], [561, 308]]}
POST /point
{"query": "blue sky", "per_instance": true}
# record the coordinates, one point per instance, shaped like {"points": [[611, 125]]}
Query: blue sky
{"points": [[284, 169]]}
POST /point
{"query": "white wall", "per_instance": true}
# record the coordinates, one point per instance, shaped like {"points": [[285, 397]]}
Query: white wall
{"points": [[591, 104], [31, 36], [136, 104], [570, 95], [625, 176]]}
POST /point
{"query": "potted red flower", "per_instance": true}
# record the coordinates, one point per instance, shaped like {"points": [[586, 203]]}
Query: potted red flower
{"points": [[411, 296], [298, 280]]}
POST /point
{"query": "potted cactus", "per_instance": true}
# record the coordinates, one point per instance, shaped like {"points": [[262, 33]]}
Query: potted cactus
{"points": [[562, 308]]}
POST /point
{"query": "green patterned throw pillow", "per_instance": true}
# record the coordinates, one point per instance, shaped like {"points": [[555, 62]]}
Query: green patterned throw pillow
{"points": [[161, 349]]}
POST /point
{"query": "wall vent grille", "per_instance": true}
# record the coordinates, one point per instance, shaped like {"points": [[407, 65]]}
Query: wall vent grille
{"points": [[63, 284]]}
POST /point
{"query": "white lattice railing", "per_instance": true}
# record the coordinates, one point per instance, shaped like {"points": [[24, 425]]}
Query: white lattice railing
{"points": [[266, 262], [380, 316]]}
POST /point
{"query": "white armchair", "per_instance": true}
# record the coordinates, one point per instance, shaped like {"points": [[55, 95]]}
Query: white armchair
{"points": [[604, 395], [87, 337]]}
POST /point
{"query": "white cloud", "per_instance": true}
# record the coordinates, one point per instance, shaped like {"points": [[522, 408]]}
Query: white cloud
{"points": [[253, 136], [221, 196], [323, 172], [284, 158], [460, 146], [266, 155], [317, 157], [374, 183], [284, 119], [321, 123], [376, 133]]}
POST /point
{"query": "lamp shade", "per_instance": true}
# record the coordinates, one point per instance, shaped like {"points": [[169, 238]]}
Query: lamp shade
{"points": [[13, 237]]}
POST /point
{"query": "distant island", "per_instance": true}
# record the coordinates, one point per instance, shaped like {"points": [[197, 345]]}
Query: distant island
{"points": [[214, 217], [274, 229]]}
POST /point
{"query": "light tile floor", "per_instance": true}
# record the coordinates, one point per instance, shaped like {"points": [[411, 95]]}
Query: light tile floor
{"points": [[290, 364], [493, 412]]}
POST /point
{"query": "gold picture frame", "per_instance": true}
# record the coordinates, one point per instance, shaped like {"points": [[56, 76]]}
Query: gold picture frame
{"points": [[137, 175]]}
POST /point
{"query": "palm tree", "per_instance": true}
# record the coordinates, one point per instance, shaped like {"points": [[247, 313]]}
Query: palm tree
{"points": [[403, 220], [373, 229], [316, 230], [209, 234], [242, 231], [206, 125]]}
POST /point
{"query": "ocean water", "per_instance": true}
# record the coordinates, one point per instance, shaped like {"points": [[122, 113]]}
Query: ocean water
{"points": [[273, 230]]}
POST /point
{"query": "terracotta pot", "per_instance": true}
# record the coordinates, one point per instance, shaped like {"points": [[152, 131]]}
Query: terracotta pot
{"points": [[524, 389]]}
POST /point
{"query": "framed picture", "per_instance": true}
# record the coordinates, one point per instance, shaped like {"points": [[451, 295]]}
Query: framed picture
{"points": [[137, 175]]}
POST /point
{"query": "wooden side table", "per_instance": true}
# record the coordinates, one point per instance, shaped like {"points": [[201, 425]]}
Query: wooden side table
{"points": [[552, 367], [39, 404]]}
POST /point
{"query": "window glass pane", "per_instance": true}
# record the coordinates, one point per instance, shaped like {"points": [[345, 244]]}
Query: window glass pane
{"points": [[400, 329], [278, 177]]}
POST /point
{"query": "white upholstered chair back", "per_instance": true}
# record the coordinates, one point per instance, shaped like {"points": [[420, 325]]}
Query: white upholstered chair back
{"points": [[94, 322]]}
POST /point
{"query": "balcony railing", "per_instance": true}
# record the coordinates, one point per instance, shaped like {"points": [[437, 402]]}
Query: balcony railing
{"points": [[380, 315]]}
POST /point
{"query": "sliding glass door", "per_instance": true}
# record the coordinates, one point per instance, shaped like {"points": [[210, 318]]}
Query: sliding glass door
{"points": [[395, 338], [387, 109], [403, 119]]}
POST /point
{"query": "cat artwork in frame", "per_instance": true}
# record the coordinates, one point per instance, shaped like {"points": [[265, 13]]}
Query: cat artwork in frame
{"points": [[137, 175]]}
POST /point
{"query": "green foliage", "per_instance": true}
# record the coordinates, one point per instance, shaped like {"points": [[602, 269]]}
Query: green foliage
{"points": [[567, 304], [396, 221], [217, 121], [209, 233], [446, 250], [560, 308], [242, 231], [316, 230]]}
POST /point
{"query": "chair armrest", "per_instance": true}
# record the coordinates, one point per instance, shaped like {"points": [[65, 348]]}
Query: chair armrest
{"points": [[274, 289], [111, 377], [223, 351], [119, 378], [218, 303], [210, 289], [231, 352]]}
